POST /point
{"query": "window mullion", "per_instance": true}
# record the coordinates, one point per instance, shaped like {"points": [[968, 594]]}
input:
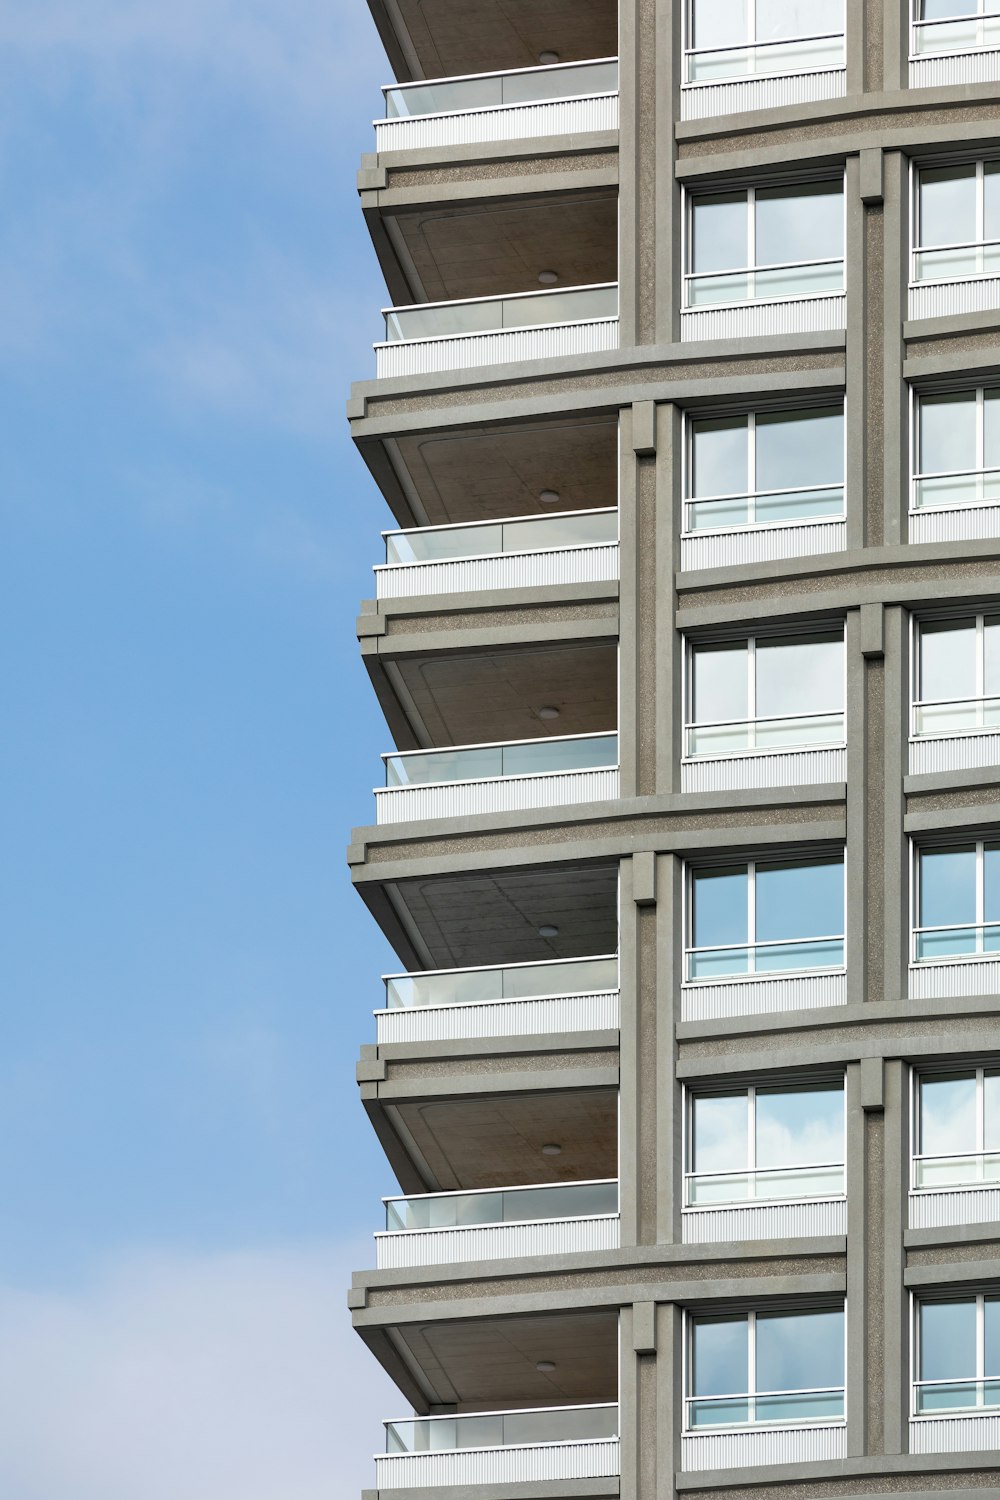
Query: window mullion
{"points": [[980, 1111], [752, 1362], [752, 241], [752, 692], [751, 916], [752, 465], [980, 893], [980, 1347], [980, 441], [980, 213], [752, 1132]]}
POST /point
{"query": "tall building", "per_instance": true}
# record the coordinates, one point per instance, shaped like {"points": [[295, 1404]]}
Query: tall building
{"points": [[688, 640]]}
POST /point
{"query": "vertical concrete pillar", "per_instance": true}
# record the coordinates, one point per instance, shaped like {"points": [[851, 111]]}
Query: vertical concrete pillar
{"points": [[896, 1353], [866, 1261], [895, 458], [895, 899], [669, 708], [895, 44], [669, 949], [639, 524], [640, 1026]]}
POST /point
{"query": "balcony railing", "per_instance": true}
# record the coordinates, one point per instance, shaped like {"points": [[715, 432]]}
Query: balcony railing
{"points": [[949, 279], [525, 552], [718, 995], [764, 1203], [957, 940], [956, 734], [515, 1447], [739, 529], [796, 750], [565, 98], [497, 1224], [955, 507], [509, 777], [574, 994], [763, 74], [433, 336], [708, 1189], [739, 960], [955, 1432], [775, 1427], [956, 49], [755, 301]]}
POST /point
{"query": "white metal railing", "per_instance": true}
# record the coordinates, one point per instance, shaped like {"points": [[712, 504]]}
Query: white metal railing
{"points": [[818, 502], [804, 54], [479, 1206], [820, 1404], [958, 976], [475, 91], [500, 1429], [956, 940], [736, 736], [976, 29], [943, 716], [963, 260], [956, 1395], [793, 1183], [959, 1169], [432, 336]]}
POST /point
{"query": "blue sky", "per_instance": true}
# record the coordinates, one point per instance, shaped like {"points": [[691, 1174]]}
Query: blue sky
{"points": [[186, 1174]]}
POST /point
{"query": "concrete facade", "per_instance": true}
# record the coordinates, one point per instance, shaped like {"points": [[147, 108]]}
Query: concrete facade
{"points": [[474, 445]]}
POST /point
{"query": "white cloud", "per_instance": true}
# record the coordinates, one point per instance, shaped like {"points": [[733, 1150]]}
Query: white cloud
{"points": [[197, 1376]]}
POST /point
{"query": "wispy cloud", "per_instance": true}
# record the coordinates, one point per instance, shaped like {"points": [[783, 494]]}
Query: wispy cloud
{"points": [[200, 1376]]}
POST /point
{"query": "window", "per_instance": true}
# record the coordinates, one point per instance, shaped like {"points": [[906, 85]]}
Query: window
{"points": [[956, 1128], [956, 451], [957, 675], [766, 917], [955, 25], [792, 1364], [765, 242], [765, 1143], [958, 1355], [957, 229], [957, 901], [765, 693], [740, 38], [764, 468]]}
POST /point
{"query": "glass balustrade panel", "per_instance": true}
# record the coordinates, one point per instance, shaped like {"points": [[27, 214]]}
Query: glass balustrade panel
{"points": [[446, 96], [946, 265], [766, 734], [798, 281], [461, 987], [443, 766], [561, 1425], [582, 976], [538, 534], [954, 36], [779, 957], [954, 718], [573, 306], [440, 546], [453, 95], [955, 942], [802, 505], [448, 1434], [560, 83], [805, 55], [443, 320], [956, 1171], [799, 1406], [762, 1187], [523, 982], [547, 757]]}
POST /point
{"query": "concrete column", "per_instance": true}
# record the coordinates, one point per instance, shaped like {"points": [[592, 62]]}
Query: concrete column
{"points": [[650, 1400], [866, 21], [669, 950], [895, 901], [895, 459], [896, 1352], [669, 707], [639, 523], [640, 1025], [866, 1266], [895, 44]]}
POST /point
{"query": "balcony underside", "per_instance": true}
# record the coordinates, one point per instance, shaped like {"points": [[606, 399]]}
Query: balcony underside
{"points": [[450, 38]]}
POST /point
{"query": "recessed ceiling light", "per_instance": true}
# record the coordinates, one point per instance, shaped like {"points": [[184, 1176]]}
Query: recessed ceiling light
{"points": [[552, 1149], [548, 278], [545, 1366], [548, 712], [548, 930], [548, 58], [550, 497]]}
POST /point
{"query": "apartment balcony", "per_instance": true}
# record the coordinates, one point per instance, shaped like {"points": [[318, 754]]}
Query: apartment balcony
{"points": [[762, 1204], [523, 552], [959, 1189], [796, 750], [961, 507], [788, 1442], [526, 999], [475, 779], [970, 1432], [566, 1218], [801, 297], [731, 530], [763, 75], [539, 1446], [955, 50], [755, 994], [440, 336], [972, 967], [523, 104], [947, 280], [955, 735]]}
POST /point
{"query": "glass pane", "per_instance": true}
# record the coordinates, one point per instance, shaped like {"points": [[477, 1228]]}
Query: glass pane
{"points": [[726, 740], [702, 514], [799, 675], [719, 457], [948, 38], [954, 491], [457, 988], [800, 1182], [947, 886], [734, 1187], [430, 546], [559, 307], [707, 290], [947, 1109], [947, 1342], [991, 883], [715, 963], [991, 1109], [544, 756], [799, 505], [800, 900], [947, 205], [948, 1171], [991, 1318], [443, 765], [800, 1126], [800, 281], [559, 1426], [800, 1351], [930, 265], [958, 942], [822, 729], [560, 83], [720, 1127], [583, 976], [719, 907], [800, 448], [438, 321], [947, 660], [719, 1356], [784, 18], [805, 1408], [947, 433], [947, 1397], [718, 1413], [443, 97], [541, 532], [718, 23], [783, 956], [719, 227], [719, 683], [991, 200], [800, 223], [943, 10], [991, 428]]}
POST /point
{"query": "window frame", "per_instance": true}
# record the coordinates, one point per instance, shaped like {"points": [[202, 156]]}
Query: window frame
{"points": [[980, 697], [916, 849], [692, 417], [917, 166], [752, 45], [751, 862], [690, 194], [981, 469], [979, 14], [980, 1070], [691, 1092], [691, 1318], [690, 645], [916, 1302]]}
